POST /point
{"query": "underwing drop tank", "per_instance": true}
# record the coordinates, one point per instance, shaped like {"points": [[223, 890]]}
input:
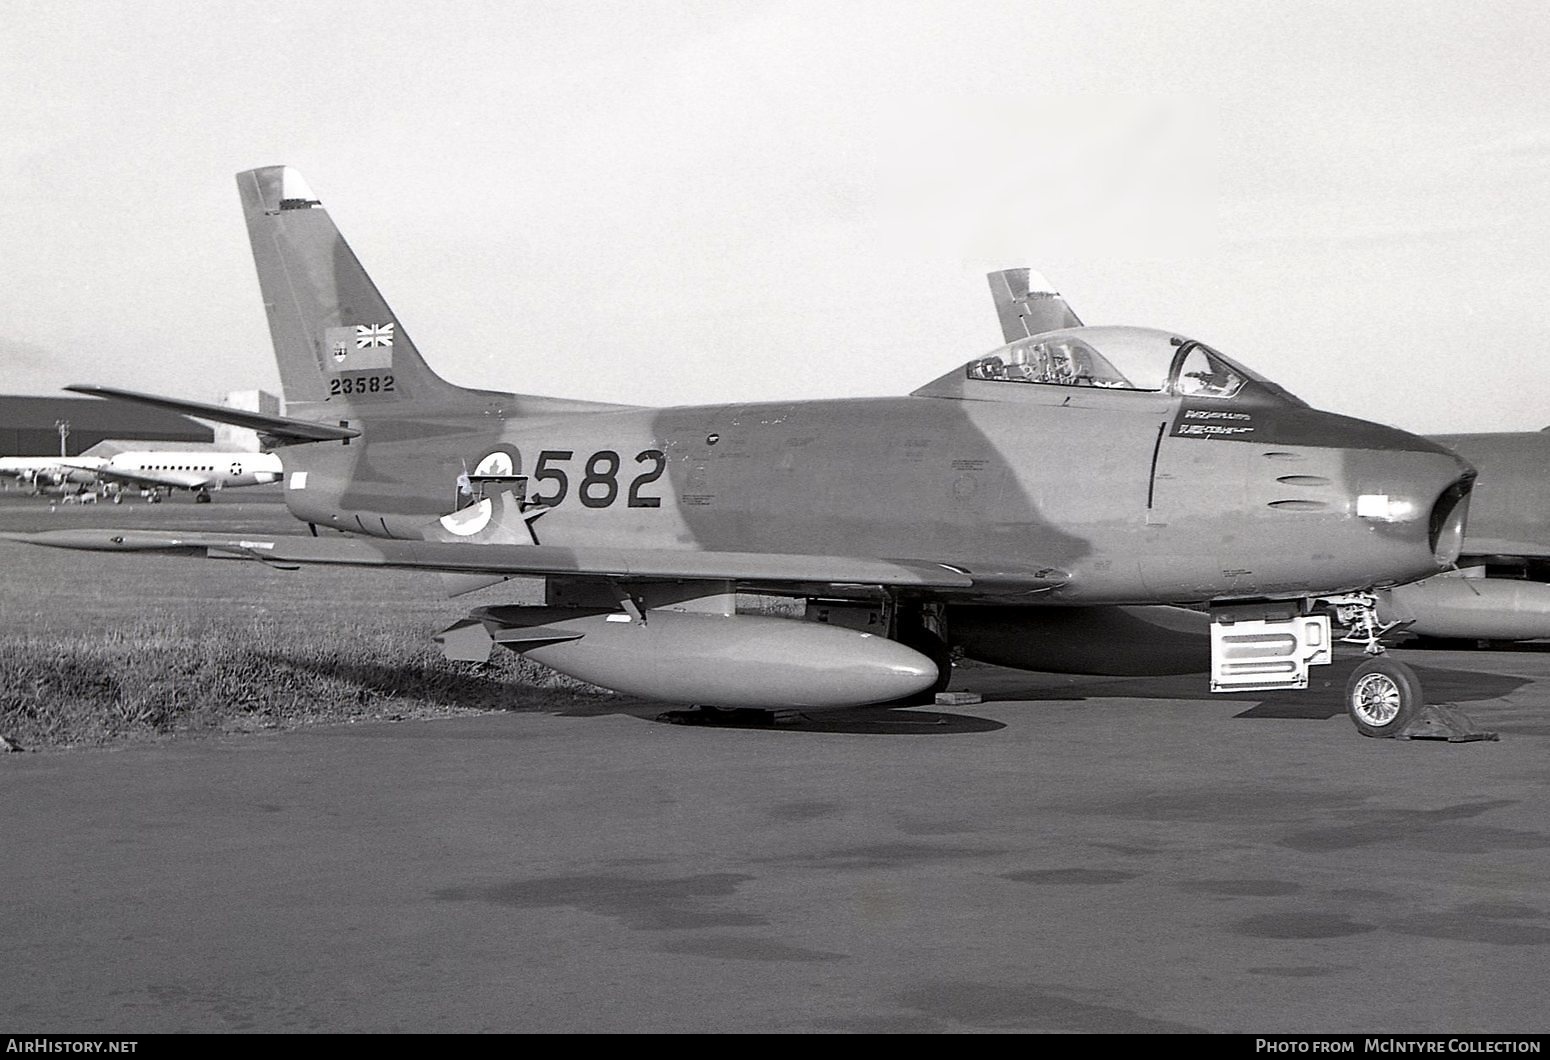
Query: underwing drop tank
{"points": [[1468, 607], [703, 659]]}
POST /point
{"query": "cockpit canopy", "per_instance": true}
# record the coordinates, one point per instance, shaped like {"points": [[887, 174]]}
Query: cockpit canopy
{"points": [[1114, 358]]}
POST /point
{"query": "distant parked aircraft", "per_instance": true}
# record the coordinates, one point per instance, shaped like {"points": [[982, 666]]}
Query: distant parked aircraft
{"points": [[201, 472]]}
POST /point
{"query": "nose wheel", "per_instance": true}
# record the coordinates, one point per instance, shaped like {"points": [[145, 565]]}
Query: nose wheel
{"points": [[1383, 697]]}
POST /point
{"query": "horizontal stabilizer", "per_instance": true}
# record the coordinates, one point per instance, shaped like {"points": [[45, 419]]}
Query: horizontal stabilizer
{"points": [[281, 427]]}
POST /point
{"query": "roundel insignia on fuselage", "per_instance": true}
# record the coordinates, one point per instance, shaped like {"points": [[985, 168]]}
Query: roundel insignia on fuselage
{"points": [[495, 465]]}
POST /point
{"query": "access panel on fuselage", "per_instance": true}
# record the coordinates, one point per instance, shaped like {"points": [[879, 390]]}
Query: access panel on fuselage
{"points": [[1197, 498]]}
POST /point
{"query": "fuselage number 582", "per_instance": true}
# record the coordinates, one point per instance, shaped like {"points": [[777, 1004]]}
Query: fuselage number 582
{"points": [[599, 485]]}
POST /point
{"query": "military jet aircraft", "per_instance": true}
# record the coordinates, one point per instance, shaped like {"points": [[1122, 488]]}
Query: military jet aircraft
{"points": [[1028, 506]]}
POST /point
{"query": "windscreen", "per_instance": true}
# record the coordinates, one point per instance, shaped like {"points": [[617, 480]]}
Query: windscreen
{"points": [[1202, 372]]}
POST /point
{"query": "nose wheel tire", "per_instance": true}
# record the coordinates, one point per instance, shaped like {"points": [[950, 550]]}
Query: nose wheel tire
{"points": [[1382, 697]]}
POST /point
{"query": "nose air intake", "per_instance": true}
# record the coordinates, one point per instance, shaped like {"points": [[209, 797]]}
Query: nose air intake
{"points": [[1449, 514]]}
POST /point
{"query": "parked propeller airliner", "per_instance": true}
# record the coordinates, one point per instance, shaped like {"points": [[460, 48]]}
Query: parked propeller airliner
{"points": [[157, 471], [1031, 506]]}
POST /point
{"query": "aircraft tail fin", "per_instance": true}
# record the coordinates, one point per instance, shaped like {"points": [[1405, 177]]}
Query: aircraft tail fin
{"points": [[337, 342], [1028, 305]]}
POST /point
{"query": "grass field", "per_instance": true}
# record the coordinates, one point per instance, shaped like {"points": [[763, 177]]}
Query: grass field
{"points": [[98, 648]]}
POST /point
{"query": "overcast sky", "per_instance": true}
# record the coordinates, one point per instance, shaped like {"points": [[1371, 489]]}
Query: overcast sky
{"points": [[672, 203]]}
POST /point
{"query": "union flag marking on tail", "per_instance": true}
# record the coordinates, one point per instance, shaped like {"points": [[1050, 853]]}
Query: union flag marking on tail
{"points": [[357, 347], [368, 335]]}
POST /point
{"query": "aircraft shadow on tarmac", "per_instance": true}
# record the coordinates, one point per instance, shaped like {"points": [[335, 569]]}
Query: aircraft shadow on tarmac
{"points": [[1322, 699], [478, 691], [874, 721]]}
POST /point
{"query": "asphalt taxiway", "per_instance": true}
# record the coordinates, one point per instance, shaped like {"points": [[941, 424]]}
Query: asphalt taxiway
{"points": [[1075, 854]]}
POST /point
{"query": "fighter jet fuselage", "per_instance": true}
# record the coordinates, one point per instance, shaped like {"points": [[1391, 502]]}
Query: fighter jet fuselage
{"points": [[985, 472]]}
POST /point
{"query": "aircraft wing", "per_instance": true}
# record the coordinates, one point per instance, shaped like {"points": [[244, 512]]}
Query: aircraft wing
{"points": [[188, 480], [1028, 305], [625, 564], [27, 467], [283, 428]]}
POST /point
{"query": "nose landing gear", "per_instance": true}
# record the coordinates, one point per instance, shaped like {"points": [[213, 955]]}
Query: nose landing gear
{"points": [[1383, 696]]}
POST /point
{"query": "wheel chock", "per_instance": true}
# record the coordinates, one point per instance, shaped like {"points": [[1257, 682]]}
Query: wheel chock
{"points": [[958, 699], [1443, 721]]}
